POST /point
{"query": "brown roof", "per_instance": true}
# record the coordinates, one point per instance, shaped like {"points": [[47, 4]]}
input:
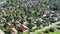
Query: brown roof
{"points": [[7, 25], [11, 30], [22, 28]]}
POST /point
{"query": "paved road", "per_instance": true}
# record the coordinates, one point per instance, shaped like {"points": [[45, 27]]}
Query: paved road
{"points": [[1, 32], [52, 25]]}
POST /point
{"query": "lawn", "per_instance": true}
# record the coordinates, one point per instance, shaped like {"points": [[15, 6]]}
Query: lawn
{"points": [[56, 32]]}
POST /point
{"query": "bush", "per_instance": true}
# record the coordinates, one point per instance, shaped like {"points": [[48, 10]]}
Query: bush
{"points": [[46, 31], [52, 29], [58, 28]]}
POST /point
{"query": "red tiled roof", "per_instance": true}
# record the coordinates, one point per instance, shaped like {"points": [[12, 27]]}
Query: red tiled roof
{"points": [[22, 28], [7, 25], [11, 30]]}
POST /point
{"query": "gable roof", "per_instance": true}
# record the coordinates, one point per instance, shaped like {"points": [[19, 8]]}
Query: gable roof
{"points": [[22, 28]]}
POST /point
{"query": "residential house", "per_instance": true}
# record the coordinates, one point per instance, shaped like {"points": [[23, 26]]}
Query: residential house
{"points": [[22, 28]]}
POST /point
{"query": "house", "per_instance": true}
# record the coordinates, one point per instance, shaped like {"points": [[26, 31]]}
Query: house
{"points": [[3, 2], [22, 28], [12, 31], [39, 22], [16, 23], [8, 17], [39, 19], [7, 25], [31, 26], [2, 20], [55, 18], [25, 22]]}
